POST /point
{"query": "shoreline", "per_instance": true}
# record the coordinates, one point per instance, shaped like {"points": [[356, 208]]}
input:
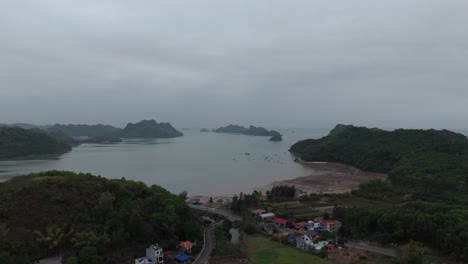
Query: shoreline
{"points": [[330, 177], [325, 178]]}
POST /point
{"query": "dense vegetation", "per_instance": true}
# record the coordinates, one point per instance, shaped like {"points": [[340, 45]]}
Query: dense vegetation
{"points": [[17, 142], [251, 131], [83, 130], [279, 193], [85, 216], [26, 126], [149, 129], [428, 172]]}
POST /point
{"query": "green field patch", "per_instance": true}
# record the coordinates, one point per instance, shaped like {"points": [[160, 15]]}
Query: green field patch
{"points": [[263, 250]]}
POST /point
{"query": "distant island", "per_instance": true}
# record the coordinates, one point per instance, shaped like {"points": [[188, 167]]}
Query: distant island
{"points": [[83, 217], [276, 138], [25, 126], [251, 131], [58, 139], [19, 142], [204, 130], [149, 129]]}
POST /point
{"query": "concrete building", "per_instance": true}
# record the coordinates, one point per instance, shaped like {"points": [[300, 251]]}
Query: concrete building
{"points": [[154, 255]]}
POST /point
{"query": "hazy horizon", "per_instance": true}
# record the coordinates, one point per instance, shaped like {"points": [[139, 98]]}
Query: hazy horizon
{"points": [[276, 64]]}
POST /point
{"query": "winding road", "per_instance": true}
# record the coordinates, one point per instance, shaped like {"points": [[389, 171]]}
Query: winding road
{"points": [[384, 251], [209, 234], [208, 246], [229, 215]]}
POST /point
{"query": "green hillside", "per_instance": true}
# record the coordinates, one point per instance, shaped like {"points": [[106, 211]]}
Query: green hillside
{"points": [[18, 142], [64, 213], [428, 172]]}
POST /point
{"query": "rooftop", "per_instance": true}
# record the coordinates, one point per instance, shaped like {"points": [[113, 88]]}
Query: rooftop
{"points": [[182, 257], [279, 221], [144, 260], [267, 215]]}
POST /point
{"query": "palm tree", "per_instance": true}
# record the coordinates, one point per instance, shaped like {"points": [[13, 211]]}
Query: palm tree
{"points": [[51, 238]]}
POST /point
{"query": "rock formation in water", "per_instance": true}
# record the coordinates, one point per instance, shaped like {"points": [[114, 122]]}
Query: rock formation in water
{"points": [[149, 129]]}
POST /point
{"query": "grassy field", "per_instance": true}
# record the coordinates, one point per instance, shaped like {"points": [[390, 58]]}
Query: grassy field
{"points": [[262, 250]]}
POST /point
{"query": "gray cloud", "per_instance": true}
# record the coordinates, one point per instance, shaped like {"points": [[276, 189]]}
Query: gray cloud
{"points": [[389, 63]]}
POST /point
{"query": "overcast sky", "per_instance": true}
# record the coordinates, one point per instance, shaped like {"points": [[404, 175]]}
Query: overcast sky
{"points": [[395, 63]]}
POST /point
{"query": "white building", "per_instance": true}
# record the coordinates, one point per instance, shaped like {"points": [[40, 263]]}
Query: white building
{"points": [[267, 216], [154, 255]]}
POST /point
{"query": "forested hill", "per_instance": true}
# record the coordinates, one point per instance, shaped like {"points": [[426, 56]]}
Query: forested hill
{"points": [[17, 142], [428, 187], [149, 129], [423, 160], [83, 130], [64, 213]]}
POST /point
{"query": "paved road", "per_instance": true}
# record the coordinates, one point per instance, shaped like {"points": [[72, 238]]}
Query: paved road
{"points": [[229, 215], [210, 240], [384, 251], [210, 243]]}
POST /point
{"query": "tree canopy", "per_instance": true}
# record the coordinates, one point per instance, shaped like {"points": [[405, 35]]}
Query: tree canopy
{"points": [[59, 212], [428, 172], [17, 142]]}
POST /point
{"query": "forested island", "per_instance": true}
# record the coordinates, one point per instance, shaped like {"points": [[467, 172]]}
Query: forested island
{"points": [[251, 131], [427, 190], [108, 133], [83, 217], [149, 129], [18, 142], [276, 138], [58, 139]]}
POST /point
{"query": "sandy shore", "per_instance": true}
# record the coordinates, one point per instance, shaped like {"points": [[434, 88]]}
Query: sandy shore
{"points": [[328, 177]]}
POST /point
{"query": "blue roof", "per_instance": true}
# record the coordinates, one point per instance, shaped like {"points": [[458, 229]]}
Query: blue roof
{"points": [[319, 228], [182, 257]]}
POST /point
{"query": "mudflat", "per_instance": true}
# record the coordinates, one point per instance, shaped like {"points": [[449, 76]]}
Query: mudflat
{"points": [[329, 177]]}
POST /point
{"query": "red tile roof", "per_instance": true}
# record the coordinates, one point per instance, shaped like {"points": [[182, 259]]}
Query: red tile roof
{"points": [[279, 221], [300, 225], [186, 244], [325, 222]]}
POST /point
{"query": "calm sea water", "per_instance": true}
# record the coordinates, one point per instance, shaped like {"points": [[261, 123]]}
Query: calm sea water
{"points": [[201, 163]]}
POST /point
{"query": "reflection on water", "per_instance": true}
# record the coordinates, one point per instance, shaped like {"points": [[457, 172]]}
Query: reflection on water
{"points": [[234, 235], [201, 163]]}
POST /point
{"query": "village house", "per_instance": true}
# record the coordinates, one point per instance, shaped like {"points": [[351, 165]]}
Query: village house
{"points": [[311, 241], [267, 216], [306, 240], [154, 255], [280, 222], [320, 224], [331, 225], [258, 212], [186, 246], [300, 225]]}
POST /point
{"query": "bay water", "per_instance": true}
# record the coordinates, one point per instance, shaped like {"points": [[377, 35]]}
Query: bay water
{"points": [[200, 163]]}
